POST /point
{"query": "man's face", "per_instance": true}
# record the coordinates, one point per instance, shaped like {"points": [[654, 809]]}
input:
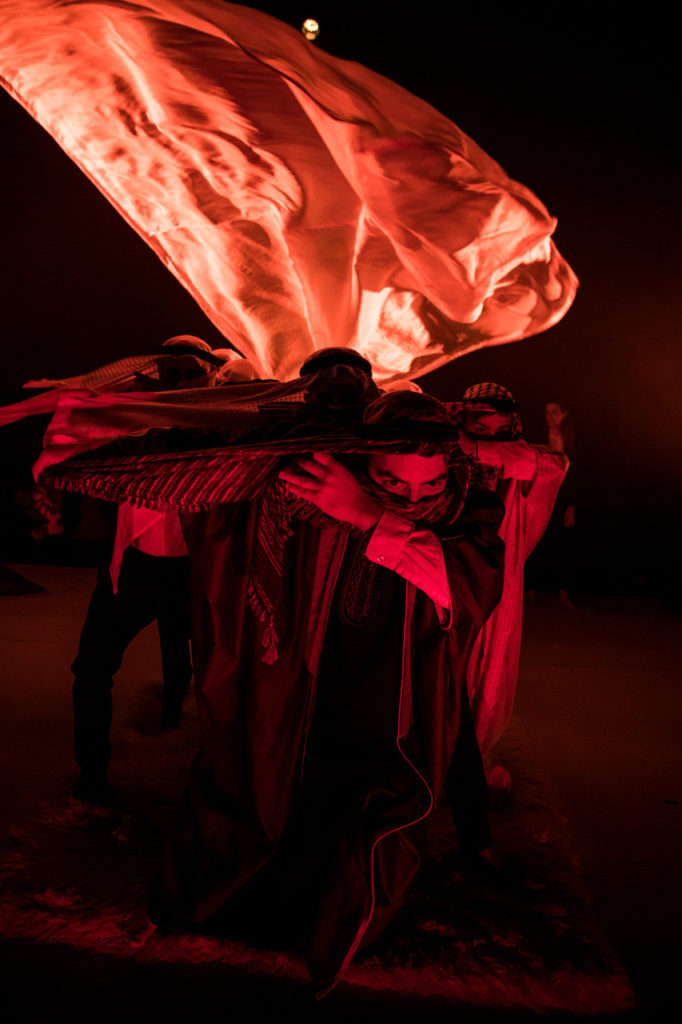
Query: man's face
{"points": [[410, 477], [486, 422]]}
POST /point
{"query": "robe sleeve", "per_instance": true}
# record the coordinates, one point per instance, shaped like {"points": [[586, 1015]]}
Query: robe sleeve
{"points": [[461, 573], [541, 494], [539, 472], [415, 554], [474, 560], [514, 460]]}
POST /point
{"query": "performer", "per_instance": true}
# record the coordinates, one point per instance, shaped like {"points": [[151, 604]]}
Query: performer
{"points": [[146, 580], [527, 479], [334, 619]]}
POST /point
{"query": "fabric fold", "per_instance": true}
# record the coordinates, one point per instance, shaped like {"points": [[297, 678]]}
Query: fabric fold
{"points": [[302, 200]]}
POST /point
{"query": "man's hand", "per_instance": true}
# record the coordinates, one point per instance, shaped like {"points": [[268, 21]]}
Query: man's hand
{"points": [[514, 460], [329, 485], [487, 452]]}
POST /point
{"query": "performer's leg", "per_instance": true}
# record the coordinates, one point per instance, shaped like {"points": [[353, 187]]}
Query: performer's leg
{"points": [[111, 623], [173, 626]]}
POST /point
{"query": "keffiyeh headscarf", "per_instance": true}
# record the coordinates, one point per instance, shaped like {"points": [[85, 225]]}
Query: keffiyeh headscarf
{"points": [[424, 425], [488, 395]]}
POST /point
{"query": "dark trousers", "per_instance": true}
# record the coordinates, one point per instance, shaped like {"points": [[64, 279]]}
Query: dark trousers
{"points": [[149, 587]]}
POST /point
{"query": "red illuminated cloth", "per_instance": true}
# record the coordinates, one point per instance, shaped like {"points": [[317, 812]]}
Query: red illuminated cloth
{"points": [[527, 479], [414, 554], [83, 421], [302, 200]]}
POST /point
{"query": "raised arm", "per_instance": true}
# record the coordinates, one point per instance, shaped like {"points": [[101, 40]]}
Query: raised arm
{"points": [[515, 460], [397, 543]]}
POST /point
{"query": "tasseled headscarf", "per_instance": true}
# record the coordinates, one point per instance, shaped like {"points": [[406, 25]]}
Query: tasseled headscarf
{"points": [[488, 395]]}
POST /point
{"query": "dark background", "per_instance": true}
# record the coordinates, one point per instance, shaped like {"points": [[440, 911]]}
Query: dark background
{"points": [[578, 103]]}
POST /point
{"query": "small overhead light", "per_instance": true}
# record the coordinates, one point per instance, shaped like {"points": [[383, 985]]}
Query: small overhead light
{"points": [[310, 28]]}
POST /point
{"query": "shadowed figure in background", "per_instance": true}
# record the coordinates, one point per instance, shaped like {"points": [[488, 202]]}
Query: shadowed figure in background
{"points": [[527, 478], [332, 623], [147, 578]]}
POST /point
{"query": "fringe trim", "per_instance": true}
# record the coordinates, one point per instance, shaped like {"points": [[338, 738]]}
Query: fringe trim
{"points": [[262, 608]]}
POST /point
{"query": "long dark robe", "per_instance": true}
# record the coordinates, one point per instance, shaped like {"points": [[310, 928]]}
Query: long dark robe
{"points": [[301, 818]]}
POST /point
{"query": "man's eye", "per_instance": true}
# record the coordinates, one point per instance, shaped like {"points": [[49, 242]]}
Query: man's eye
{"points": [[393, 485]]}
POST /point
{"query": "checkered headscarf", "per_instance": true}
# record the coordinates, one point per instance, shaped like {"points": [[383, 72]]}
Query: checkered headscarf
{"points": [[492, 396]]}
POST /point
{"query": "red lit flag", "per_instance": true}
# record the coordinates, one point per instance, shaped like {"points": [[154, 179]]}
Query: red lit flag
{"points": [[302, 200]]}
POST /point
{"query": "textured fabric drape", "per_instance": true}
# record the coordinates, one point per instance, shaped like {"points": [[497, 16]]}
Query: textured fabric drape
{"points": [[302, 200]]}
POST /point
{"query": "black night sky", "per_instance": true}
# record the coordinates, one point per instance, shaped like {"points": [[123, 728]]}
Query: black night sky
{"points": [[578, 103]]}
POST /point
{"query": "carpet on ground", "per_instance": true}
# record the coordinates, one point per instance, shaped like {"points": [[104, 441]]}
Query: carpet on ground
{"points": [[522, 936]]}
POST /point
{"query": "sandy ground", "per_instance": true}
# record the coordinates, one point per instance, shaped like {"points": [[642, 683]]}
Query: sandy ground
{"points": [[600, 701]]}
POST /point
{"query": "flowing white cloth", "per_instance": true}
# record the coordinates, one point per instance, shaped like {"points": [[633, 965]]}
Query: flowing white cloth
{"points": [[529, 480], [302, 200]]}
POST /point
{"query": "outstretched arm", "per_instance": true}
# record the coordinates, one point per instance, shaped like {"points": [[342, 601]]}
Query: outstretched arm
{"points": [[516, 460]]}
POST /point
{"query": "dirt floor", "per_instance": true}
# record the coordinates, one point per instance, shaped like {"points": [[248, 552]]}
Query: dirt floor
{"points": [[600, 701]]}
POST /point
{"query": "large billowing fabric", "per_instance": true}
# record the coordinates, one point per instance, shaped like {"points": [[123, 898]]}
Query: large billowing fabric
{"points": [[302, 200]]}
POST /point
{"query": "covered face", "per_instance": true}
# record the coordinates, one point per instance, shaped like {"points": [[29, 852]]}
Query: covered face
{"points": [[410, 477], [486, 423], [428, 480], [488, 411]]}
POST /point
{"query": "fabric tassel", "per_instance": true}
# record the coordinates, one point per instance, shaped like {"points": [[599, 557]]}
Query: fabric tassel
{"points": [[262, 608]]}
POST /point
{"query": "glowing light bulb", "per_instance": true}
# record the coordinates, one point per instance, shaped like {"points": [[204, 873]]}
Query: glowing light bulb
{"points": [[310, 28]]}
